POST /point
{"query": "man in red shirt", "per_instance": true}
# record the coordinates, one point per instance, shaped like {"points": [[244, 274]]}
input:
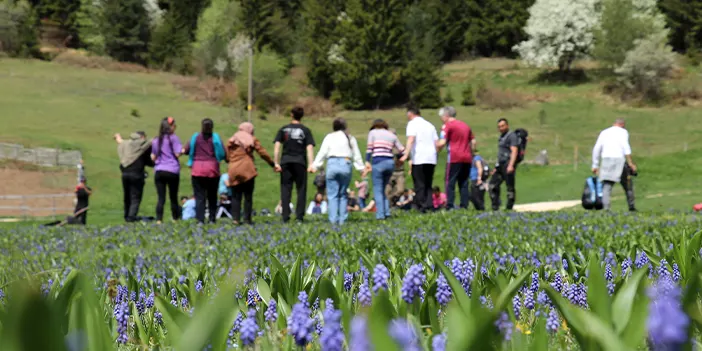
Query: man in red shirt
{"points": [[458, 139]]}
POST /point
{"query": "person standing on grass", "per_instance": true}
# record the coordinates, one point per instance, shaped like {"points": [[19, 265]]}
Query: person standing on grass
{"points": [[297, 142], [340, 151], [83, 193], [617, 166], [205, 151], [242, 169], [478, 176], [507, 148], [379, 152], [458, 135], [134, 157], [165, 150], [421, 146]]}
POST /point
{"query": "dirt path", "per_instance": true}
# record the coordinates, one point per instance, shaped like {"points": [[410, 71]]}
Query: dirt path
{"points": [[546, 206]]}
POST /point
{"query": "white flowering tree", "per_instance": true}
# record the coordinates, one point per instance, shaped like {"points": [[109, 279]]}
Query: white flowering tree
{"points": [[559, 31]]}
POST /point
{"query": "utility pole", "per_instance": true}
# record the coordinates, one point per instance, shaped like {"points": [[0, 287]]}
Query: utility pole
{"points": [[249, 106]]}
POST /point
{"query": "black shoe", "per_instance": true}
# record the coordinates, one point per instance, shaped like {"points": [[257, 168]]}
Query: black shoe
{"points": [[633, 209]]}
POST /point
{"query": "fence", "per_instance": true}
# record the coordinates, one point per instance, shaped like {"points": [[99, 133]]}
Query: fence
{"points": [[40, 156], [40, 205]]}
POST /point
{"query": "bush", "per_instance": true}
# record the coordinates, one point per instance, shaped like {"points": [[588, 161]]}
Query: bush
{"points": [[645, 67], [494, 98], [449, 97], [89, 18], [468, 96], [268, 75], [19, 30]]}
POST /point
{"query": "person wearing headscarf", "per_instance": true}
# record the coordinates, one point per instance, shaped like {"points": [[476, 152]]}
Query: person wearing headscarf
{"points": [[205, 151], [242, 170], [134, 157]]}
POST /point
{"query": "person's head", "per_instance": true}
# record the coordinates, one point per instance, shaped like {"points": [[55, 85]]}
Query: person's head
{"points": [[183, 199], [141, 134], [319, 198], [297, 113], [83, 181], [436, 190], [247, 127], [503, 125], [620, 123], [339, 124], [380, 124], [168, 126], [405, 192], [412, 112], [446, 113], [352, 193], [207, 126]]}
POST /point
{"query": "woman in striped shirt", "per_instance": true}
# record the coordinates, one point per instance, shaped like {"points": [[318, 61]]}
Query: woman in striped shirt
{"points": [[380, 159]]}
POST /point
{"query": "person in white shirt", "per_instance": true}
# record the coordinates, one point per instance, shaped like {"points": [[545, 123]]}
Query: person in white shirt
{"points": [[613, 148], [317, 206], [421, 145], [338, 150]]}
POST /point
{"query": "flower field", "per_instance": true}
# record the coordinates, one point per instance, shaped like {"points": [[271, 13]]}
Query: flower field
{"points": [[560, 281]]}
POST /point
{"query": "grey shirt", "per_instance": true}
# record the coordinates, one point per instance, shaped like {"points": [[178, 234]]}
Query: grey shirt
{"points": [[506, 141]]}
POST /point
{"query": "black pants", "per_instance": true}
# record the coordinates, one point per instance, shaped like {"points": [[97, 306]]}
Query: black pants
{"points": [[457, 173], [477, 196], [243, 191], [81, 218], [205, 190], [496, 180], [133, 187], [423, 177], [293, 173], [627, 181], [172, 181]]}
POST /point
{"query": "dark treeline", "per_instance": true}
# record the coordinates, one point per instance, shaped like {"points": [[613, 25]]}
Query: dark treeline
{"points": [[360, 53]]}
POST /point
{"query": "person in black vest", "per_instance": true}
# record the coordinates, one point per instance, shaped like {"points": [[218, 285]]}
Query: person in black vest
{"points": [[134, 157], [83, 192], [505, 169]]}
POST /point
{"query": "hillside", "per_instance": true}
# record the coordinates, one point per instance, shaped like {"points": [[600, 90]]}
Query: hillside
{"points": [[48, 104]]}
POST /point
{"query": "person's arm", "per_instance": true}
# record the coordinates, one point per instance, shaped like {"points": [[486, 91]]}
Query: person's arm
{"points": [[596, 152], [398, 145], [263, 153], [357, 159], [479, 166], [118, 138], [369, 206], [321, 155], [369, 148], [310, 154], [513, 153], [627, 153], [408, 149], [324, 207], [441, 143], [147, 158], [310, 208]]}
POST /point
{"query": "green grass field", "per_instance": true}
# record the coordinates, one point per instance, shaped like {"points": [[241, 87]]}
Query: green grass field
{"points": [[48, 104]]}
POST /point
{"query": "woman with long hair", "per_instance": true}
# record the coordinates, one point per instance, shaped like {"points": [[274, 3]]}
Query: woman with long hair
{"points": [[242, 170], [205, 151], [165, 150], [338, 150], [380, 160]]}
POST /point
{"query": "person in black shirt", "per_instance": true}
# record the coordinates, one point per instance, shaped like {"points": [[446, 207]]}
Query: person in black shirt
{"points": [[507, 148], [298, 152], [134, 157], [83, 192]]}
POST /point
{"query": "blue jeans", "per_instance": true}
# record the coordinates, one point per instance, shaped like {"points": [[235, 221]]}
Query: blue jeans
{"points": [[382, 171], [338, 179]]}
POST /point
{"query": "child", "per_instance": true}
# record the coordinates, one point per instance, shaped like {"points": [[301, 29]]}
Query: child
{"points": [[362, 187], [478, 178], [188, 207], [438, 198]]}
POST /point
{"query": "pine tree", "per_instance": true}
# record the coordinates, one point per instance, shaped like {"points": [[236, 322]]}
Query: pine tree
{"points": [[170, 47], [19, 29], [263, 22], [88, 29], [684, 18], [421, 72], [321, 21], [126, 30], [495, 26], [450, 23]]}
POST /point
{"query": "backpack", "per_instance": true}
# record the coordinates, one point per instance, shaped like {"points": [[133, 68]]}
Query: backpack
{"points": [[592, 194], [522, 135], [320, 180]]}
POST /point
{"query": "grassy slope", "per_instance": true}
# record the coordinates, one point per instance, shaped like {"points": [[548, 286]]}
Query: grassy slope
{"points": [[59, 106]]}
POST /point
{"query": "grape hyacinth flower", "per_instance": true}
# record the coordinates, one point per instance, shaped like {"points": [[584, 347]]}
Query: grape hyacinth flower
{"points": [[198, 286], [667, 322], [663, 269], [318, 326], [404, 334], [529, 300], [565, 264], [641, 261], [557, 283], [149, 303], [2, 296], [271, 313], [534, 282], [443, 291], [516, 306], [610, 288], [381, 275], [300, 324], [364, 295], [676, 273], [348, 281], [181, 279], [438, 343], [626, 265], [332, 338], [251, 298], [609, 276], [249, 329], [412, 283], [359, 334], [303, 298], [505, 326], [542, 299], [552, 321], [159, 317], [237, 324], [315, 305], [174, 297], [122, 317]]}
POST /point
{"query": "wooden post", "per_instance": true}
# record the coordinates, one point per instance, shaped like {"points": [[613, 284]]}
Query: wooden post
{"points": [[575, 158], [556, 142], [685, 147]]}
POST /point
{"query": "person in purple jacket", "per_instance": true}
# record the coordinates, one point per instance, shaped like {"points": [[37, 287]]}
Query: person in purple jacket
{"points": [[165, 150]]}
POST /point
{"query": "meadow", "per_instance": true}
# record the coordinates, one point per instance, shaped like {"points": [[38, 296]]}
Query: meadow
{"points": [[57, 105], [497, 281]]}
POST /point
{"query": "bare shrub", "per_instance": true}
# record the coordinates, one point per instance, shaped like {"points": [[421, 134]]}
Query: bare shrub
{"points": [[316, 106], [79, 58], [501, 99], [210, 90]]}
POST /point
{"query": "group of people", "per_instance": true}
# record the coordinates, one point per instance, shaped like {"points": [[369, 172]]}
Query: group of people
{"points": [[294, 158]]}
